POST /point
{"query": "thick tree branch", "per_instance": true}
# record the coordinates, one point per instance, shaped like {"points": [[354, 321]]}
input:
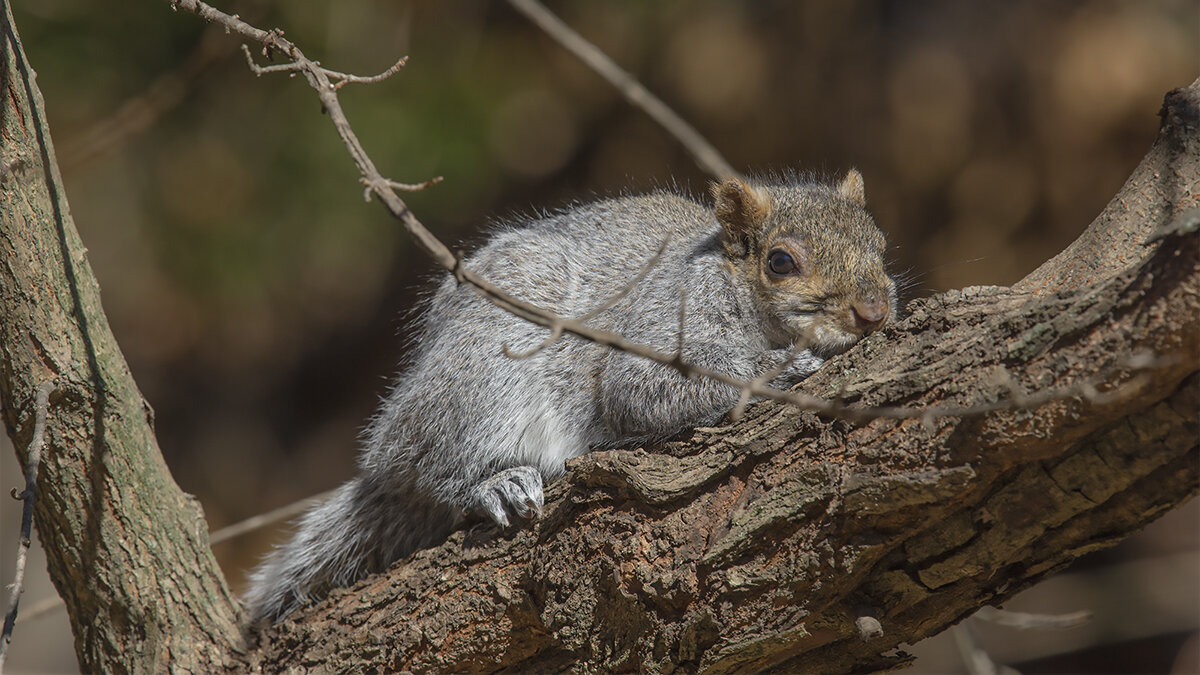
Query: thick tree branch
{"points": [[1160, 191], [758, 546], [127, 550]]}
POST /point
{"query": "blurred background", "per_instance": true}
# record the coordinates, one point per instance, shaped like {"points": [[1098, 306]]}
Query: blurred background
{"points": [[262, 305]]}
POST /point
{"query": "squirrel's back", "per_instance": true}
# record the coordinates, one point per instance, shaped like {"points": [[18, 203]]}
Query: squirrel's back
{"points": [[576, 258]]}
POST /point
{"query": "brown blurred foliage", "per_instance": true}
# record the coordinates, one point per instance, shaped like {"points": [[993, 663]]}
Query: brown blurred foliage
{"points": [[262, 305]]}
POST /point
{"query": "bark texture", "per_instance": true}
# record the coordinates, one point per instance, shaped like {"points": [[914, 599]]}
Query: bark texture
{"points": [[127, 549], [759, 546]]}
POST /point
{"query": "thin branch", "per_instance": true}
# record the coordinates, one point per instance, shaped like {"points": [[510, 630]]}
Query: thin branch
{"points": [[703, 152], [141, 112], [677, 361], [263, 519], [798, 346], [342, 78], [555, 335], [33, 458], [637, 279], [291, 67], [46, 606], [369, 189], [346, 78], [744, 398], [557, 331], [414, 187], [975, 659], [215, 537], [1015, 394], [1026, 621]]}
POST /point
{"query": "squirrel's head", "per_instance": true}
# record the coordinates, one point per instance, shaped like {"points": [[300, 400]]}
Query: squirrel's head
{"points": [[813, 256]]}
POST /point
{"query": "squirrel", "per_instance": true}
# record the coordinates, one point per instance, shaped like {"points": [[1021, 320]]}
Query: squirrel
{"points": [[774, 277]]}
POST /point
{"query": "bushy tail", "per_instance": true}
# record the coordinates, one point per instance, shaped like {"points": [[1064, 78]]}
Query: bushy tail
{"points": [[360, 530]]}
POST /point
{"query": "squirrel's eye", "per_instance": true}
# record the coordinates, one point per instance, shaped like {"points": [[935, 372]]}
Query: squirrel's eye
{"points": [[780, 263]]}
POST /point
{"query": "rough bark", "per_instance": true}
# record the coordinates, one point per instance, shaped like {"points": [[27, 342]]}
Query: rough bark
{"points": [[127, 549], [758, 545]]}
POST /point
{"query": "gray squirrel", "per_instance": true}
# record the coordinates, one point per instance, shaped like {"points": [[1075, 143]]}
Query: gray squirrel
{"points": [[467, 429]]}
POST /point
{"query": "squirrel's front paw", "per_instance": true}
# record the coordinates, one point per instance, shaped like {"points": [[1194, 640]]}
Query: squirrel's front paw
{"points": [[518, 489], [798, 366]]}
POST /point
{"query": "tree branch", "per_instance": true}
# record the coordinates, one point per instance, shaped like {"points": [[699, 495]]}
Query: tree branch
{"points": [[126, 549], [28, 495], [757, 546], [142, 112], [706, 156]]}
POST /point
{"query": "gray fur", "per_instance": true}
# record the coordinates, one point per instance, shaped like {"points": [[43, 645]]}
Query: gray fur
{"points": [[466, 428]]}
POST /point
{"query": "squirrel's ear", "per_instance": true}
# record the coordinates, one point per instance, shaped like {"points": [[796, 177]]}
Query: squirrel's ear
{"points": [[741, 209], [852, 187]]}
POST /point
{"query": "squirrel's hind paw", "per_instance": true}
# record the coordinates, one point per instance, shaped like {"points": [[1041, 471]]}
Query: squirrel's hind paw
{"points": [[518, 489]]}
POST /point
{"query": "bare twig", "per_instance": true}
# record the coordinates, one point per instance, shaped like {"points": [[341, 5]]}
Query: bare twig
{"points": [[291, 67], [342, 78], [677, 361], [1026, 621], [318, 78], [744, 399], [1015, 394], [974, 657], [346, 78], [141, 112], [33, 457], [557, 330], [637, 279], [369, 189], [46, 606], [216, 537], [263, 519], [555, 334], [414, 187], [706, 156], [798, 346]]}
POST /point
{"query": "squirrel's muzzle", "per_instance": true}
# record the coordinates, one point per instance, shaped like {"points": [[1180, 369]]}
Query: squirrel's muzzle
{"points": [[869, 314]]}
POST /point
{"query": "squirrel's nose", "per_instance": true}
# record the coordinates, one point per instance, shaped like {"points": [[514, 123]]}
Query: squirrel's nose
{"points": [[869, 314]]}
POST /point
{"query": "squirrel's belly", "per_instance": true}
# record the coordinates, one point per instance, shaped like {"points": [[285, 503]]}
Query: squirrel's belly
{"points": [[545, 442]]}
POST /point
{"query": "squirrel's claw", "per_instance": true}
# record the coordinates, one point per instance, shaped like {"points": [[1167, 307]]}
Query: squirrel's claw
{"points": [[488, 502], [518, 489]]}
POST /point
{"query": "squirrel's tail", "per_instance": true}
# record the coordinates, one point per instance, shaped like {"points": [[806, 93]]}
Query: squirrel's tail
{"points": [[360, 530]]}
